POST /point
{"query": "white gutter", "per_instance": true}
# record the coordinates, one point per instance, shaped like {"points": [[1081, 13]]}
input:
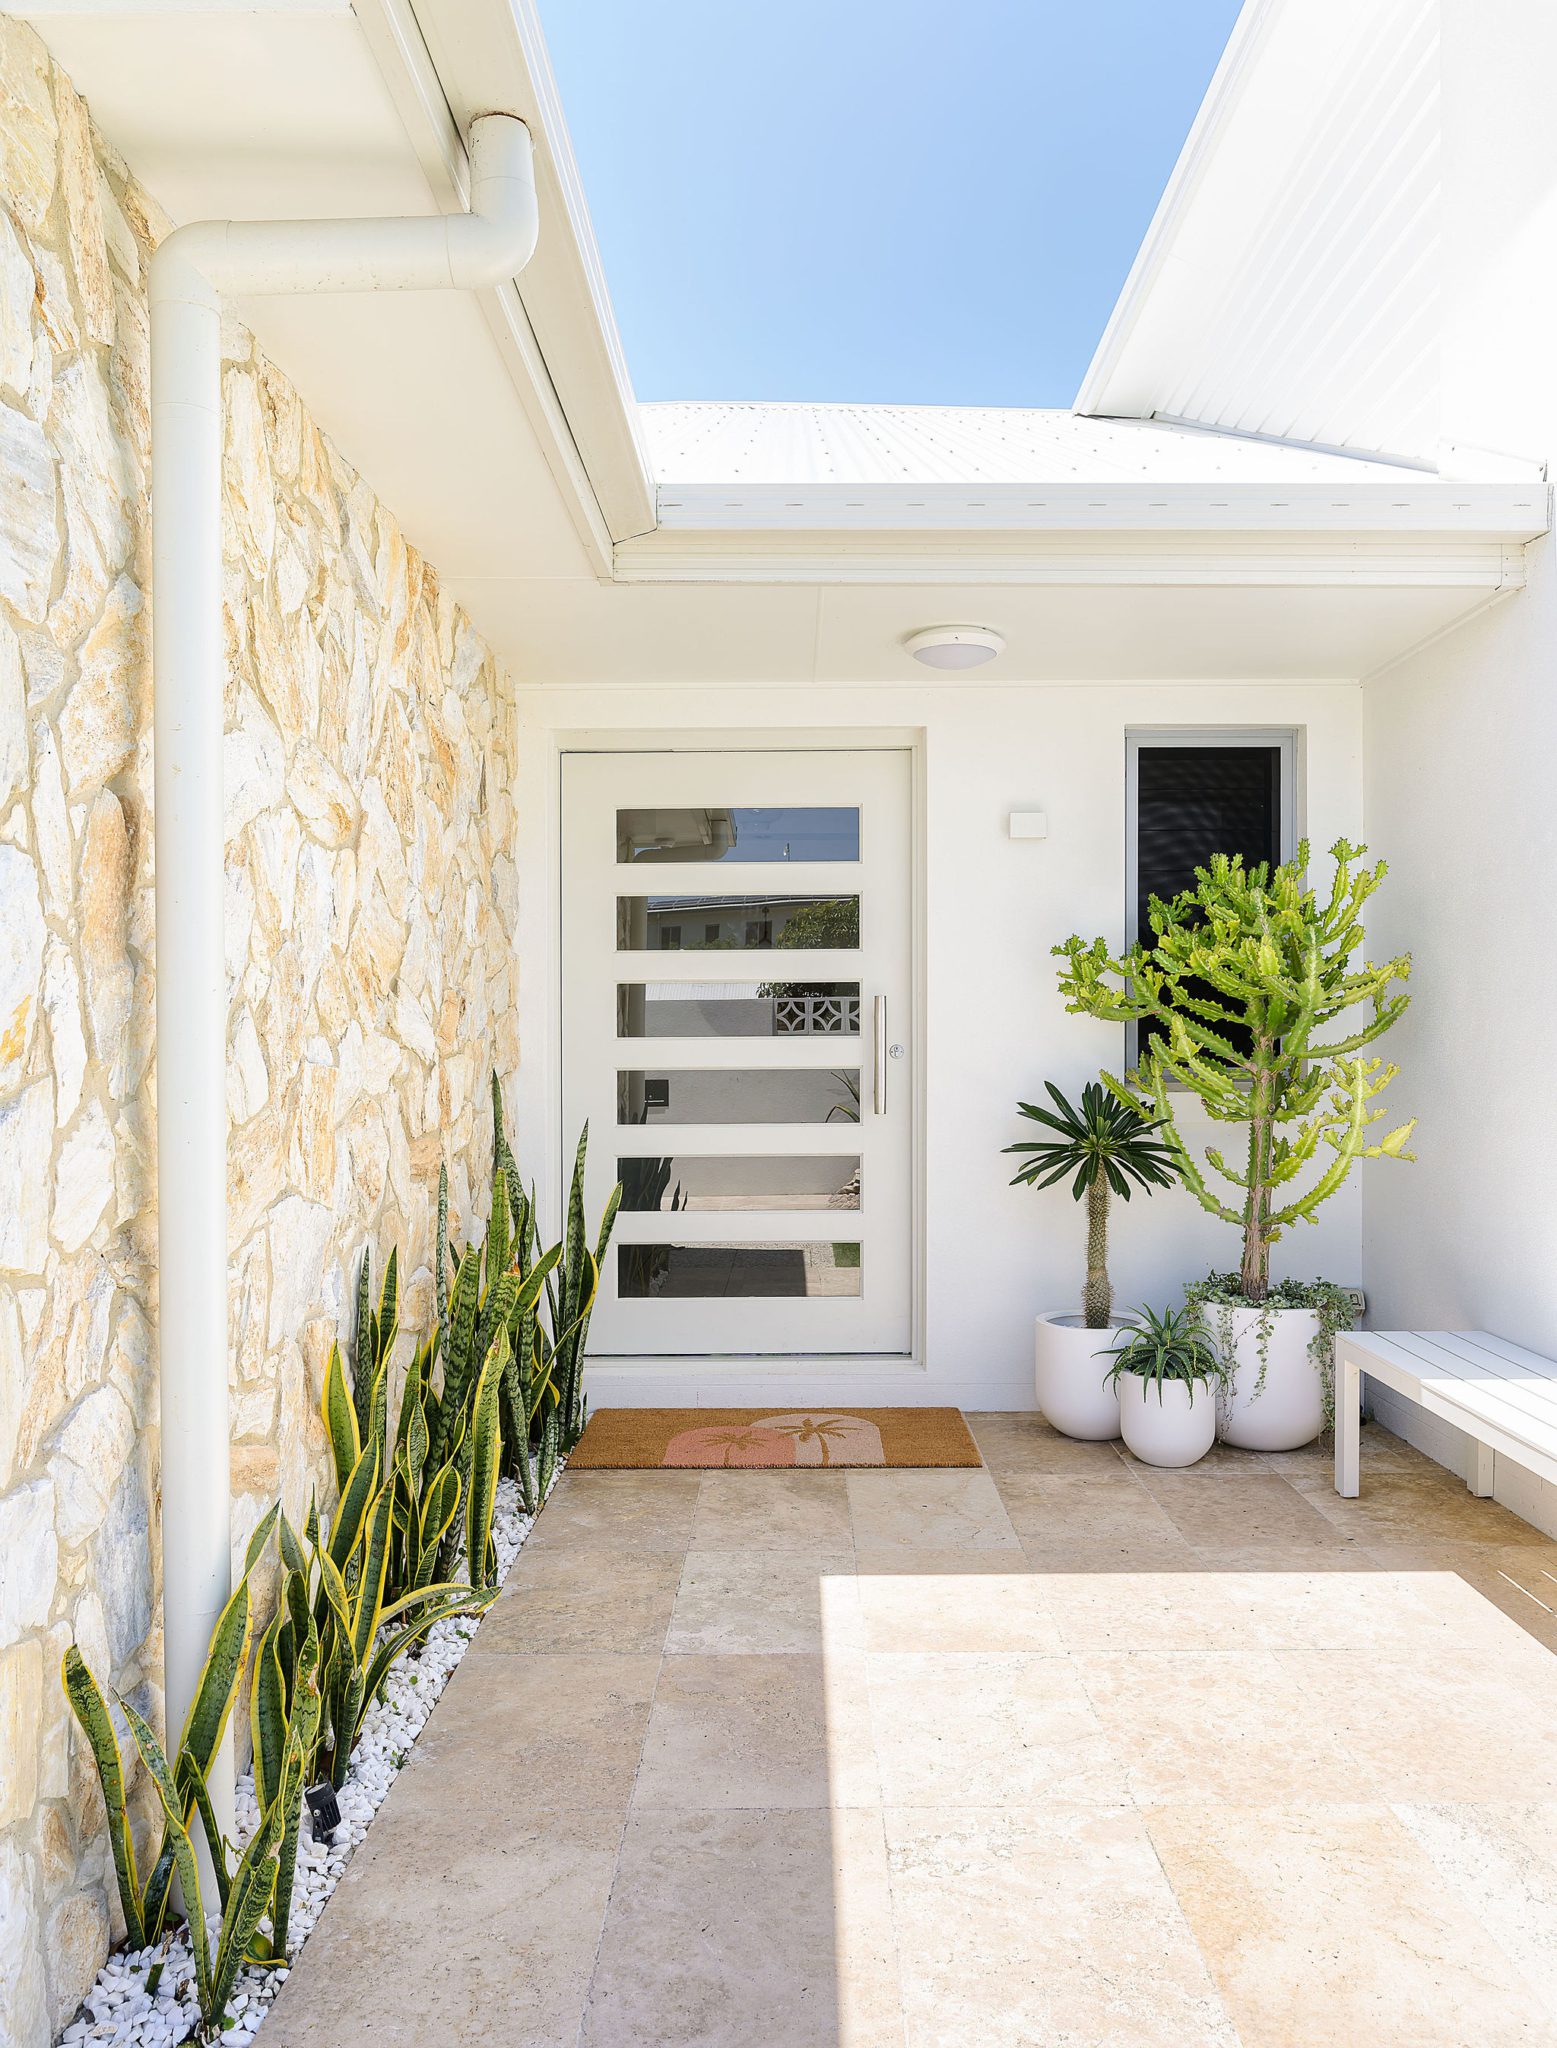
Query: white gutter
{"points": [[190, 274]]}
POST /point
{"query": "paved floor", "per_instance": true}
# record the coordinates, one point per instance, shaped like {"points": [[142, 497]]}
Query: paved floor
{"points": [[1067, 1751]]}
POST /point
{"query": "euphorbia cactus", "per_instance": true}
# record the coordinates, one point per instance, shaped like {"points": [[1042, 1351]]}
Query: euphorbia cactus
{"points": [[1260, 1014]]}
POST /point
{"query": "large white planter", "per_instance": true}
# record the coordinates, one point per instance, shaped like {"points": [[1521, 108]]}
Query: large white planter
{"points": [[1071, 1365], [1178, 1429], [1288, 1411]]}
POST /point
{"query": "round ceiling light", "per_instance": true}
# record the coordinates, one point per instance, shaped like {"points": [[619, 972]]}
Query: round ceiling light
{"points": [[955, 646]]}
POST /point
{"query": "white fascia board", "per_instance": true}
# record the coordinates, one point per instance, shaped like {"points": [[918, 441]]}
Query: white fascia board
{"points": [[1119, 557], [556, 323], [1402, 502]]}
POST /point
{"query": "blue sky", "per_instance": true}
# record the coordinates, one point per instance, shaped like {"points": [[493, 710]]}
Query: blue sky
{"points": [[927, 201]]}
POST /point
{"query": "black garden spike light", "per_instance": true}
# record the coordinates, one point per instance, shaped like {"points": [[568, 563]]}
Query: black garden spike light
{"points": [[324, 1810]]}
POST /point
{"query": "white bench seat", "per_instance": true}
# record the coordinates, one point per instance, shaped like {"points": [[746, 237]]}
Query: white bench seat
{"points": [[1502, 1396]]}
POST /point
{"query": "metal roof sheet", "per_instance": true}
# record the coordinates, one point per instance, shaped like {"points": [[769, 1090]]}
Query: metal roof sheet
{"points": [[711, 442]]}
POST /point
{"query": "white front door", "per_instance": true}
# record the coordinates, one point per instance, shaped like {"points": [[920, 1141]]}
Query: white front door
{"points": [[736, 986]]}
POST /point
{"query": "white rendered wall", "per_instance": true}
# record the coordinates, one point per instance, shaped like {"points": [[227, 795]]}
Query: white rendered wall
{"points": [[995, 1027], [1461, 748]]}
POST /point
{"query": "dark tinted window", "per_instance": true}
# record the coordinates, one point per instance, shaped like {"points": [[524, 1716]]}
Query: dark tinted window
{"points": [[1192, 802]]}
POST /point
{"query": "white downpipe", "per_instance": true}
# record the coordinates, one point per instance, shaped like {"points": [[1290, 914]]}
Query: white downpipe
{"points": [[191, 272]]}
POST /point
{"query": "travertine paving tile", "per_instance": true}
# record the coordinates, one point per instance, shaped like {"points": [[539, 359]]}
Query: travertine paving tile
{"points": [[745, 1732], [947, 1613], [1246, 1508], [1459, 1725], [1057, 1926], [1418, 1507], [1330, 1927], [619, 1511], [754, 1602], [590, 1599], [1501, 1860], [987, 1729], [806, 1511], [913, 1563], [1217, 1727], [927, 1511], [722, 1932], [1240, 1610], [1108, 1555], [1026, 1443], [1520, 1582], [1061, 1509], [460, 1928], [572, 1724]]}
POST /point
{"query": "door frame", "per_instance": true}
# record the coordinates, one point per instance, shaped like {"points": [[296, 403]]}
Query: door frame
{"points": [[701, 1381]]}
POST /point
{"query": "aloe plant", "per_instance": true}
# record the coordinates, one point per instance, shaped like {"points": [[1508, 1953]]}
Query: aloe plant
{"points": [[1171, 1345]]}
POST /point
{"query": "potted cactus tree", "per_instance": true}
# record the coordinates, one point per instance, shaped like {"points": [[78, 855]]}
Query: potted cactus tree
{"points": [[1252, 1003], [1105, 1149]]}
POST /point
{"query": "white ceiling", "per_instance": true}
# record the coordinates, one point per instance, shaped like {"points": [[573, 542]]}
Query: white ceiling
{"points": [[278, 107]]}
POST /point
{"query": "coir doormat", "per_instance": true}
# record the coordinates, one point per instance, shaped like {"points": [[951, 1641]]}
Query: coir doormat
{"points": [[727, 1439]]}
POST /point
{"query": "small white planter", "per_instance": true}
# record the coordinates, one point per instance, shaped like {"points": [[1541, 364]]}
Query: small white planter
{"points": [[1288, 1411], [1071, 1366], [1178, 1429]]}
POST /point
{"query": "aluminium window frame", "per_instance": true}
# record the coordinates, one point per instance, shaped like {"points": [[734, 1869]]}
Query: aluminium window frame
{"points": [[1286, 739]]}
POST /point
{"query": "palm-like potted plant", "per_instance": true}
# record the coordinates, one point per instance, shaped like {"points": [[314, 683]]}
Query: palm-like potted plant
{"points": [[1257, 1011], [1167, 1373], [1104, 1149]]}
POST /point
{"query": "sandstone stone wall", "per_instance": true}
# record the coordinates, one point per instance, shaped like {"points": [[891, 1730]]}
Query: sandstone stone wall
{"points": [[370, 915]]}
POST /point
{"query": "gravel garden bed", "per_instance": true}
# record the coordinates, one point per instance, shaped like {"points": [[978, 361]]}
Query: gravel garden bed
{"points": [[120, 2012]]}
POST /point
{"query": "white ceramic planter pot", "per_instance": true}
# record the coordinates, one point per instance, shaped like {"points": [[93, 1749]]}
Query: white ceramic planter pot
{"points": [[1177, 1430], [1288, 1411], [1071, 1365]]}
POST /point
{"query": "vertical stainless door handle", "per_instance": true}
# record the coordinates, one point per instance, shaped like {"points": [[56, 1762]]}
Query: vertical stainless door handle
{"points": [[881, 1056]]}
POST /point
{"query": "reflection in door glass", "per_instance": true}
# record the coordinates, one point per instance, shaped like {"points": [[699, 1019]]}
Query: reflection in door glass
{"points": [[739, 1095], [787, 832], [687, 1182], [737, 1009], [682, 1272], [734, 924]]}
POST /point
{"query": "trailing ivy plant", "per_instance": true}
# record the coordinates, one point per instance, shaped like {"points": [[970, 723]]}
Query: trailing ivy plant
{"points": [[1215, 1298], [1107, 1146], [1251, 999]]}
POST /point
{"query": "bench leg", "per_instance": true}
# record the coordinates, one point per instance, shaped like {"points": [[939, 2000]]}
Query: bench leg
{"points": [[1482, 1465], [1348, 1427]]}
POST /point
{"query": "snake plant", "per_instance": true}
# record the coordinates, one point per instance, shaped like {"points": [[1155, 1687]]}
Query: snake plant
{"points": [[259, 1882], [145, 1906], [563, 1336], [344, 1584]]}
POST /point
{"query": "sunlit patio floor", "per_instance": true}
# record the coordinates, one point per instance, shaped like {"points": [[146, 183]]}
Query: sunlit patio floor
{"points": [[1064, 1751]]}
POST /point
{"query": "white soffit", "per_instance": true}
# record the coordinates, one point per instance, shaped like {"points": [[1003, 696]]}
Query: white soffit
{"points": [[1288, 285]]}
